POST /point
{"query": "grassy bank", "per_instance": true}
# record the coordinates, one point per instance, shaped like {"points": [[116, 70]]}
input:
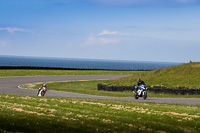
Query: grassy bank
{"points": [[29, 72], [185, 75], [41, 114]]}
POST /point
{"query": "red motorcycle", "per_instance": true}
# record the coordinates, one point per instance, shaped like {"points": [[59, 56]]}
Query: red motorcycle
{"points": [[42, 91]]}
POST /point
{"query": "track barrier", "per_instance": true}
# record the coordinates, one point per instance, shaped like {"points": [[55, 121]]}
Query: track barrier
{"points": [[155, 89]]}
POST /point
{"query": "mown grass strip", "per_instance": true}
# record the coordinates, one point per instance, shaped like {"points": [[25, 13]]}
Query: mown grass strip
{"points": [[42, 114], [29, 72]]}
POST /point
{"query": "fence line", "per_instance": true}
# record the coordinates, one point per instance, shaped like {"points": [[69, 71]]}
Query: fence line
{"points": [[156, 89]]}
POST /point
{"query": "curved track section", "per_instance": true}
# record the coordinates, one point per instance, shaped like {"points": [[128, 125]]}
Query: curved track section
{"points": [[9, 85]]}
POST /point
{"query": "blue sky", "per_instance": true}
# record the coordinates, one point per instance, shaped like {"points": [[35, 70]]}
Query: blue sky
{"points": [[140, 30]]}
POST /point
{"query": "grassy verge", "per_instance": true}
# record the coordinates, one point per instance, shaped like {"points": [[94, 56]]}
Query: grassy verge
{"points": [[185, 75], [90, 87], [28, 72], [42, 114]]}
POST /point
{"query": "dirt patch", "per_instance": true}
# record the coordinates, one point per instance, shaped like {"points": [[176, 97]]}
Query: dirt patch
{"points": [[26, 98], [18, 109], [65, 118], [93, 103], [150, 112], [70, 113], [107, 121]]}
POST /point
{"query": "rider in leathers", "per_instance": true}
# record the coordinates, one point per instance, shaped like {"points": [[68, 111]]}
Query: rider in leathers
{"points": [[139, 83]]}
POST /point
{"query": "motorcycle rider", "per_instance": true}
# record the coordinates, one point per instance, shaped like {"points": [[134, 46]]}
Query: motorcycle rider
{"points": [[44, 85], [139, 83]]}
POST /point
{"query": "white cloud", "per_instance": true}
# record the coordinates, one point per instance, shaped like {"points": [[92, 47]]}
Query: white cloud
{"points": [[102, 39], [12, 29], [107, 32], [93, 40], [3, 43]]}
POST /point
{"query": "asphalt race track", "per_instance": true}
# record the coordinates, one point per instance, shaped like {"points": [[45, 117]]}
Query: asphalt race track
{"points": [[9, 85]]}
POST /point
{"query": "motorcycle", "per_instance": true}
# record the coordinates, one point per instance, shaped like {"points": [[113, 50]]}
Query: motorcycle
{"points": [[141, 92], [41, 92]]}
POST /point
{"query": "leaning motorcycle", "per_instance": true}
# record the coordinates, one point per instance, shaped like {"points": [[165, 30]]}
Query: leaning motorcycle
{"points": [[141, 92], [41, 92]]}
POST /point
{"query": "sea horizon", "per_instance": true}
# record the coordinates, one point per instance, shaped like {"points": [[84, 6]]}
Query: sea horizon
{"points": [[82, 63]]}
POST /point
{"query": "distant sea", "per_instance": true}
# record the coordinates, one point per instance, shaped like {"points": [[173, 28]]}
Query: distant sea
{"points": [[81, 63]]}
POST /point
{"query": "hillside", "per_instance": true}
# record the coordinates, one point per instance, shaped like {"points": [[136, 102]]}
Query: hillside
{"points": [[185, 75]]}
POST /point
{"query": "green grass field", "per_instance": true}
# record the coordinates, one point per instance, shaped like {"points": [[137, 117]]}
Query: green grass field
{"points": [[29, 72], [44, 115]]}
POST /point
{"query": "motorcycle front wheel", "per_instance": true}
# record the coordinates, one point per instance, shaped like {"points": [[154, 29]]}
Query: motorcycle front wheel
{"points": [[144, 95], [42, 93], [135, 95]]}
